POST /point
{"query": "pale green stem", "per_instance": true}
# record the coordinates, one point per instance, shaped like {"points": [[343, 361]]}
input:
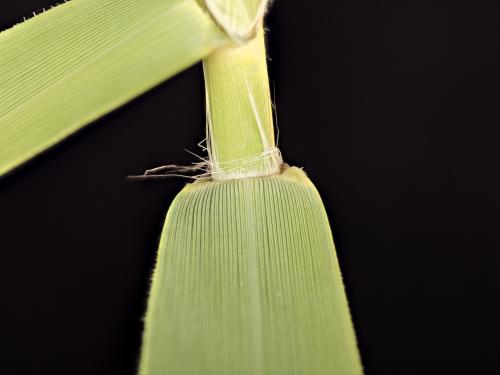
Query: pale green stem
{"points": [[240, 133]]}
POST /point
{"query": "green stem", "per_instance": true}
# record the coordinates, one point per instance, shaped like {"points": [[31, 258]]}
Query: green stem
{"points": [[240, 133]]}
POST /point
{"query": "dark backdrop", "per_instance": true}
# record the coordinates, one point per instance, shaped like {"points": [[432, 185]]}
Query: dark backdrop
{"points": [[392, 107]]}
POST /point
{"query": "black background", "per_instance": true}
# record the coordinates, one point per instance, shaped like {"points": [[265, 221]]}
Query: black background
{"points": [[392, 107]]}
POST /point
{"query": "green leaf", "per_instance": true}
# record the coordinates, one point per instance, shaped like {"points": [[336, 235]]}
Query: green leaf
{"points": [[70, 65], [247, 282]]}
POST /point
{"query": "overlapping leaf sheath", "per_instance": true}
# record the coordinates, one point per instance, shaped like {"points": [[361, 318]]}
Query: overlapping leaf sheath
{"points": [[247, 282], [239, 18]]}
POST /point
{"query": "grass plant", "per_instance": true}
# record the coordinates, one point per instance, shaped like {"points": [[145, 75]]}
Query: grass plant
{"points": [[247, 279]]}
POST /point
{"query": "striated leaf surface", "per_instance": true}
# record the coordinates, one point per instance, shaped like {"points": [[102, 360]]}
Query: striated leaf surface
{"points": [[247, 282], [72, 64]]}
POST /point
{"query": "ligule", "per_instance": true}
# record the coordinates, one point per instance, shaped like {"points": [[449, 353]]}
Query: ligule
{"points": [[247, 282], [239, 18]]}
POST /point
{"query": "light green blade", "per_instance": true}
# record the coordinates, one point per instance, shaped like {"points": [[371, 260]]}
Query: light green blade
{"points": [[247, 282], [67, 67]]}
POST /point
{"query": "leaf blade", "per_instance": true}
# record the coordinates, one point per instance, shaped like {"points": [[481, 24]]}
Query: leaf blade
{"points": [[247, 282], [80, 60]]}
